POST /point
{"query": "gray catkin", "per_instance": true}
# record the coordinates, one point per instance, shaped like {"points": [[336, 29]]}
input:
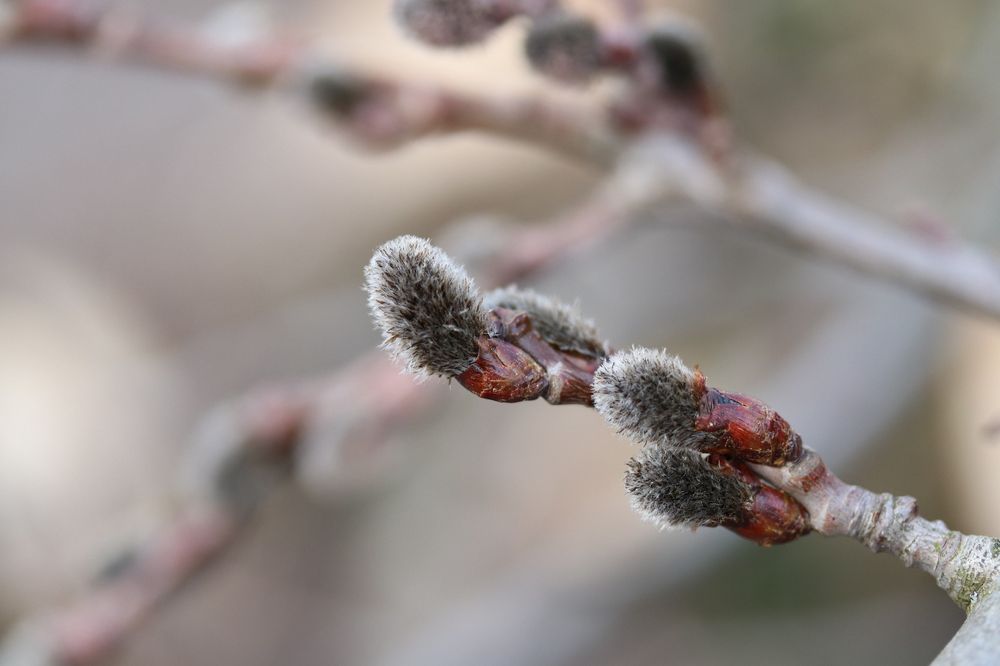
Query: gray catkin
{"points": [[564, 46], [426, 306], [649, 396], [446, 22], [678, 487]]}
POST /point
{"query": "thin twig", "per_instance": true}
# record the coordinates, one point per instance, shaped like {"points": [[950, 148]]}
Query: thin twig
{"points": [[754, 194], [966, 567], [379, 111], [756, 477], [744, 191]]}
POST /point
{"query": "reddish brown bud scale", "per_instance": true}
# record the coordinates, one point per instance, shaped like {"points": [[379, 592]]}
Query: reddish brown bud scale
{"points": [[504, 373], [773, 517], [515, 364], [747, 429]]}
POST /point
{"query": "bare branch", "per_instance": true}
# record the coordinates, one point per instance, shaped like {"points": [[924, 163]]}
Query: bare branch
{"points": [[377, 111], [975, 643], [654, 399], [386, 114], [88, 27], [751, 193], [966, 567]]}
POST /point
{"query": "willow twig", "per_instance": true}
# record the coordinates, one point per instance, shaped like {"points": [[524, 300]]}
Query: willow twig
{"points": [[376, 110], [710, 458]]}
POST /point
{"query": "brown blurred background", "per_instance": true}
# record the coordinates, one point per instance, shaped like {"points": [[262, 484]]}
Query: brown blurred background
{"points": [[167, 243]]}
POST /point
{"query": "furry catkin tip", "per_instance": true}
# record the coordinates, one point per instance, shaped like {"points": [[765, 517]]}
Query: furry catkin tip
{"points": [[447, 22], [651, 397], [676, 47], [427, 307], [559, 324], [564, 47], [678, 487]]}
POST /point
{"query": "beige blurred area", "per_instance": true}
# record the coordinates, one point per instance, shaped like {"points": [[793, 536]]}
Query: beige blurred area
{"points": [[166, 243]]}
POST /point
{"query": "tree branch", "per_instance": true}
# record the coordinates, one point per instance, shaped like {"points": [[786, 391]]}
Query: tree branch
{"points": [[976, 641], [966, 567], [376, 111], [678, 152], [675, 151], [710, 458], [751, 193]]}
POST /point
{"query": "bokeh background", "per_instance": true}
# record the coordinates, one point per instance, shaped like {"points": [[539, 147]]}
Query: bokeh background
{"points": [[167, 243]]}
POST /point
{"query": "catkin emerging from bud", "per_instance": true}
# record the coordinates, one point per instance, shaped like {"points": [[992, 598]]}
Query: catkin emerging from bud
{"points": [[559, 324], [678, 487], [651, 397], [427, 307], [564, 47], [448, 22]]}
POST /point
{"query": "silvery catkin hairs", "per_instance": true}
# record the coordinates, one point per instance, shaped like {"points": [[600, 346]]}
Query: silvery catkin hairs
{"points": [[651, 397], [678, 487], [426, 306]]}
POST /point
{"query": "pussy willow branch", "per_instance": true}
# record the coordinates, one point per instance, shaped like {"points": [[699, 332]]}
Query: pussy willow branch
{"points": [[709, 457], [745, 193]]}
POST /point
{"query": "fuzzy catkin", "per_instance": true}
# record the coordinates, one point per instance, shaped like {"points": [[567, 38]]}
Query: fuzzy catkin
{"points": [[561, 325], [564, 46], [678, 487], [446, 22], [650, 397], [426, 306]]}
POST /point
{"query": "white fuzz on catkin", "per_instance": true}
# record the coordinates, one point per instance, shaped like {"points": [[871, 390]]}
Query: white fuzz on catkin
{"points": [[679, 488], [650, 397], [426, 306]]}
